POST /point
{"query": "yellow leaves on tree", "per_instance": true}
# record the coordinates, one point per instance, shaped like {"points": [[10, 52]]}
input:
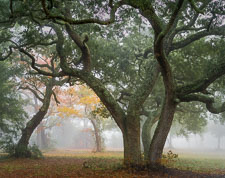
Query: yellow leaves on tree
{"points": [[89, 100], [71, 91], [67, 112], [76, 101]]}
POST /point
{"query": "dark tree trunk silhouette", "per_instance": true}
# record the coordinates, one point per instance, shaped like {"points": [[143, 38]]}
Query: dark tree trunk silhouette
{"points": [[22, 146]]}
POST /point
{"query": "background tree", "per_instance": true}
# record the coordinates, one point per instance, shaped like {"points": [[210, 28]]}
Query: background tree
{"points": [[217, 130], [80, 102], [12, 113]]}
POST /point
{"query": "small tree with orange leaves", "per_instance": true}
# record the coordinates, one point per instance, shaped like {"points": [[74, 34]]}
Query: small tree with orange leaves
{"points": [[80, 101]]}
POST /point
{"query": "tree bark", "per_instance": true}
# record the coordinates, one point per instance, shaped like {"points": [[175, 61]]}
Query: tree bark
{"points": [[162, 130], [146, 135], [131, 140], [22, 146]]}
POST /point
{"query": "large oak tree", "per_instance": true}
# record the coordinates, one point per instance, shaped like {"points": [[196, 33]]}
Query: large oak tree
{"points": [[171, 26]]}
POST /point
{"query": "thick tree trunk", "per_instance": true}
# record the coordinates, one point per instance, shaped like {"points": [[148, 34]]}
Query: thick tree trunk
{"points": [[131, 140], [146, 135], [22, 146], [162, 130]]}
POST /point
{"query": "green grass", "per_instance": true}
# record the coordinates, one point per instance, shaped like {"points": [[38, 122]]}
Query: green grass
{"points": [[207, 162], [84, 154]]}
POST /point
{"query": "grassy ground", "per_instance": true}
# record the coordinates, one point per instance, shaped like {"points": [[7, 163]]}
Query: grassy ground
{"points": [[198, 161], [71, 163]]}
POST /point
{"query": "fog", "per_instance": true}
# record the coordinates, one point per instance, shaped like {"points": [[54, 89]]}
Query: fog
{"points": [[78, 134], [204, 141]]}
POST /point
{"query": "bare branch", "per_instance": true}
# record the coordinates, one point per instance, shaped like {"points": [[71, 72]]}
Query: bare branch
{"points": [[33, 91], [33, 65], [55, 97]]}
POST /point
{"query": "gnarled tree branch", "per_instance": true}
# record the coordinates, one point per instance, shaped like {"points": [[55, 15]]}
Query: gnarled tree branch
{"points": [[84, 21], [210, 102]]}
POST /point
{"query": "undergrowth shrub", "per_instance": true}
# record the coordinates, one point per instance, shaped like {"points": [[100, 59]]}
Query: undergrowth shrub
{"points": [[169, 157], [35, 151], [31, 152]]}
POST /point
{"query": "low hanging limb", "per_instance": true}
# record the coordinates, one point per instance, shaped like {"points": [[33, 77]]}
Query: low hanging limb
{"points": [[211, 105]]}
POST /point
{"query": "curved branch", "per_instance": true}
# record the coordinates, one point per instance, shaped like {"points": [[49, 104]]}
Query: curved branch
{"points": [[147, 10], [2, 58], [94, 83], [55, 97], [84, 21], [211, 104], [86, 56], [33, 65], [160, 51], [189, 27], [33, 91], [213, 73], [197, 36]]}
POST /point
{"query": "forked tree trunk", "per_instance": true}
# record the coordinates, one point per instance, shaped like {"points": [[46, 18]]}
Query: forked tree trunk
{"points": [[131, 140], [162, 130]]}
